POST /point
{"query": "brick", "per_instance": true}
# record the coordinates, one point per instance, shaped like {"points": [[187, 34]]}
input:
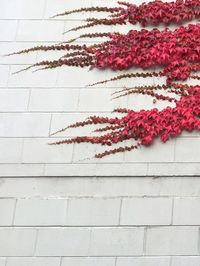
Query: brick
{"points": [[52, 55], [116, 241], [172, 241], [158, 152], [69, 24], [111, 3], [20, 170], [53, 100], [60, 7], [24, 125], [135, 100], [8, 29], [52, 9], [146, 211], [103, 96], [185, 261], [100, 169], [13, 187], [88, 261], [4, 73], [29, 79], [97, 186], [17, 241], [74, 169], [25, 261], [143, 261], [6, 211], [121, 169], [67, 77], [40, 30], [63, 242], [10, 47], [138, 102], [85, 152], [93, 211], [10, 150], [60, 120], [21, 9], [36, 212], [187, 150], [186, 211], [2, 262], [38, 151], [173, 169], [13, 100]]}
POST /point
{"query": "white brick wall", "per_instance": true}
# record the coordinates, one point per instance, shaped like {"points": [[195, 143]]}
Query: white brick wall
{"points": [[33, 105], [107, 212], [99, 221]]}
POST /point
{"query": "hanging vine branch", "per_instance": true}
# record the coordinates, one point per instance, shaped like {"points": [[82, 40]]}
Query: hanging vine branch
{"points": [[144, 126], [153, 13], [176, 52]]}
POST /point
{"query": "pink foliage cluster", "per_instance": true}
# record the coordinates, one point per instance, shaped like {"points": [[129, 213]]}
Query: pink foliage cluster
{"points": [[177, 51], [145, 126], [157, 12]]}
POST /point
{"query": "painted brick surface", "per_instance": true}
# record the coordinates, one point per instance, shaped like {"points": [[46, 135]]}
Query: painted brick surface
{"points": [[66, 242], [98, 261], [93, 211], [40, 212], [172, 241], [33, 261], [99, 221], [186, 211], [17, 241], [58, 205], [34, 105], [185, 261], [144, 261], [147, 211], [123, 241], [7, 207], [2, 261]]}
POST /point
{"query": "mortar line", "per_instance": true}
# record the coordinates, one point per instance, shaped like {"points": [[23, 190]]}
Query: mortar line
{"points": [[44, 10], [61, 260], [120, 211], [50, 123], [198, 241], [170, 261], [29, 98], [14, 212], [8, 78], [67, 210], [144, 241], [17, 28], [6, 261], [22, 151], [36, 241], [172, 211]]}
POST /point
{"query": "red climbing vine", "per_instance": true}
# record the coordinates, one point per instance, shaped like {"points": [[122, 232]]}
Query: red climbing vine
{"points": [[176, 52], [153, 13], [146, 125]]}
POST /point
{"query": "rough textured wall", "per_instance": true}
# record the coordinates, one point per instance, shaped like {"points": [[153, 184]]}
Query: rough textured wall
{"points": [[99, 221], [88, 221]]}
